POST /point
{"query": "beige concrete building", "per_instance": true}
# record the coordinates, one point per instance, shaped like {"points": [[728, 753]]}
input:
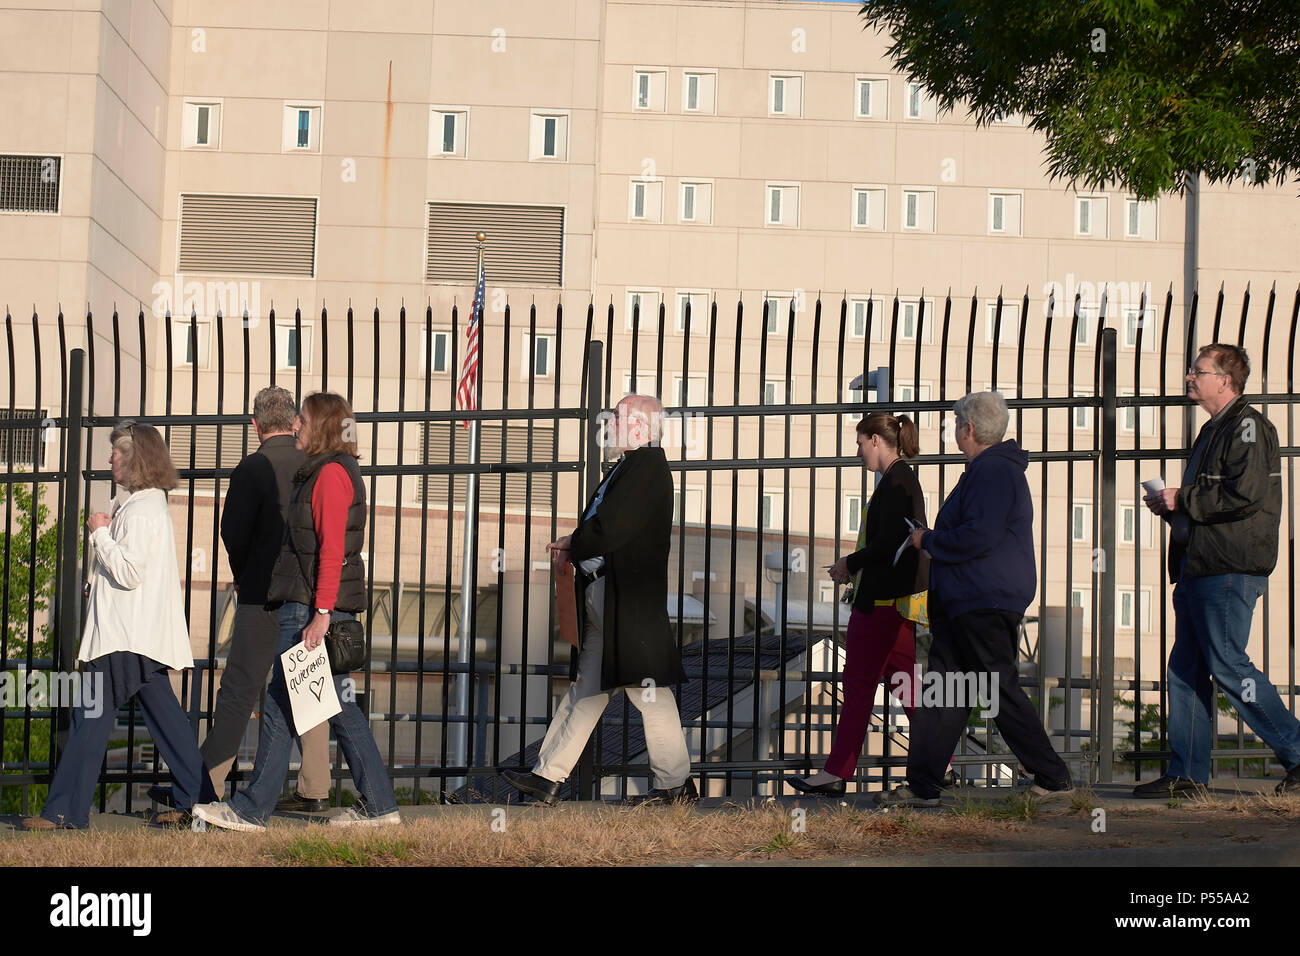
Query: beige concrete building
{"points": [[236, 156]]}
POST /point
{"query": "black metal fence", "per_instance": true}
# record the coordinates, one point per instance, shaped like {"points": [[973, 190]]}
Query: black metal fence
{"points": [[1097, 398]]}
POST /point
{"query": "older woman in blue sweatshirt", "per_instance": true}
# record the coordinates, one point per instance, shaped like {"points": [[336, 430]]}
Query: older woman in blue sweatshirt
{"points": [[982, 578]]}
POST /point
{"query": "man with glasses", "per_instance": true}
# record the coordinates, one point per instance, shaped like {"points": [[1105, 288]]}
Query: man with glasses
{"points": [[620, 553], [1223, 530]]}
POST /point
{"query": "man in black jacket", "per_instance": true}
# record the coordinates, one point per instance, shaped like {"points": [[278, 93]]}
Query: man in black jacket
{"points": [[620, 552], [252, 529], [1223, 534]]}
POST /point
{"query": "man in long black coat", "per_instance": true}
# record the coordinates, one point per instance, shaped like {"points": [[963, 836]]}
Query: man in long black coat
{"points": [[620, 553]]}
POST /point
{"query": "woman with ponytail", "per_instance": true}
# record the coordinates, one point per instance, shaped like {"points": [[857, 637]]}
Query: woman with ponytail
{"points": [[887, 598]]}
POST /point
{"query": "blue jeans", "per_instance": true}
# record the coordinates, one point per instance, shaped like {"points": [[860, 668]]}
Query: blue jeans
{"points": [[256, 802], [1213, 615]]}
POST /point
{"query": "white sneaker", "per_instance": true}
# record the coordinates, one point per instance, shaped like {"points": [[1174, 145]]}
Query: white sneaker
{"points": [[352, 817], [902, 796], [221, 815]]}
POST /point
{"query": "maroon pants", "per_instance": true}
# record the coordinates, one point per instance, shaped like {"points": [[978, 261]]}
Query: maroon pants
{"points": [[876, 644]]}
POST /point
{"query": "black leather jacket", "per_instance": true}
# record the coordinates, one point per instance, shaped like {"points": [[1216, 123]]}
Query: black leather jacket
{"points": [[1234, 501]]}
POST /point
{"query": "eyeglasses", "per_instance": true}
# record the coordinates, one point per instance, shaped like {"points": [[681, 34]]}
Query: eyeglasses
{"points": [[1195, 372]]}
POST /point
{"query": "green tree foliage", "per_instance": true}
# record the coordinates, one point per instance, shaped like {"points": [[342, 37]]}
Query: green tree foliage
{"points": [[1145, 94], [31, 573]]}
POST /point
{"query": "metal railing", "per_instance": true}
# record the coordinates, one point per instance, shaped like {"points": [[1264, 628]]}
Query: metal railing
{"points": [[1091, 416]]}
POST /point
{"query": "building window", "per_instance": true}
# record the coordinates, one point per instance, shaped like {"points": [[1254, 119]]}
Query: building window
{"points": [[292, 349], [911, 393], [1080, 525], [1009, 331], [869, 207], [646, 200], [439, 343], [872, 98], [696, 203], [526, 244], [774, 392], [645, 303], [23, 447], [858, 319], [777, 310], [785, 95], [202, 128], [910, 316], [1090, 216], [1081, 332], [1126, 609], [1139, 219], [190, 345], [549, 137], [782, 208], [1004, 214], [302, 127], [699, 92], [699, 305], [854, 397], [448, 132], [920, 105], [772, 509], [1130, 416], [648, 89], [1081, 415], [852, 514], [696, 394], [1135, 319], [918, 209], [29, 183], [537, 355]]}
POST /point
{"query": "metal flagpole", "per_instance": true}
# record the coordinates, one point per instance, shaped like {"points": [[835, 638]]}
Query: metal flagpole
{"points": [[460, 753]]}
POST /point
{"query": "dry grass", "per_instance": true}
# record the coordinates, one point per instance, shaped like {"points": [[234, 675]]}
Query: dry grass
{"points": [[585, 835]]}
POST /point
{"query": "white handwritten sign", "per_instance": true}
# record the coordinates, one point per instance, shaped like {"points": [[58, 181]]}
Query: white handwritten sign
{"points": [[311, 686]]}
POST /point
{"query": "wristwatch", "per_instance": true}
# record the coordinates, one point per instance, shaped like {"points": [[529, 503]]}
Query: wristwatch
{"points": [[323, 610]]}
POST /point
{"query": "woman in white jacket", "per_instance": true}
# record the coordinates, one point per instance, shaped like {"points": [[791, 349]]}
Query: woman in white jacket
{"points": [[135, 632]]}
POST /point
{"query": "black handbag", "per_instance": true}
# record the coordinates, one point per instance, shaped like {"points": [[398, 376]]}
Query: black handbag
{"points": [[345, 642]]}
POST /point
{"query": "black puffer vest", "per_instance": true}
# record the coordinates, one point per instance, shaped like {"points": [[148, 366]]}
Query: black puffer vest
{"points": [[294, 577]]}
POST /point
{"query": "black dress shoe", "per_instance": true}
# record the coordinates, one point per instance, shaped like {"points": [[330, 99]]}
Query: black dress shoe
{"points": [[163, 795], [1291, 783], [685, 794], [1166, 787], [547, 791], [833, 789], [300, 804]]}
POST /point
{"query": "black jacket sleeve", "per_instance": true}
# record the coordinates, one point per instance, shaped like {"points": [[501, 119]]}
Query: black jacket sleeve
{"points": [[239, 515]]}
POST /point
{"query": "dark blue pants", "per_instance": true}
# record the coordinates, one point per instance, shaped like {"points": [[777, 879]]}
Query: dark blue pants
{"points": [[73, 787], [977, 642]]}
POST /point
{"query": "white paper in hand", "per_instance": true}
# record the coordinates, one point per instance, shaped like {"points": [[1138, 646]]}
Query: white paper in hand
{"points": [[311, 686], [1153, 486], [907, 541]]}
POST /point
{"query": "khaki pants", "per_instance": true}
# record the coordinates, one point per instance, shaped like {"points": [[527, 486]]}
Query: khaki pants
{"points": [[579, 711]]}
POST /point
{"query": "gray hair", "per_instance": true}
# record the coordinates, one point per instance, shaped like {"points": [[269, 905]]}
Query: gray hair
{"points": [[987, 411], [274, 409]]}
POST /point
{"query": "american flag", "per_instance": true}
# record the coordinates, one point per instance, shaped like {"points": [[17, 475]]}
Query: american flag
{"points": [[468, 391]]}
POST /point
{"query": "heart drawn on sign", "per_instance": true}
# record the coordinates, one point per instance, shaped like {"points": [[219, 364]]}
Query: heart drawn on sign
{"points": [[317, 686]]}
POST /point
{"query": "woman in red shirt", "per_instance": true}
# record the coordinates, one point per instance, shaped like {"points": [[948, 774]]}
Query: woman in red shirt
{"points": [[318, 578]]}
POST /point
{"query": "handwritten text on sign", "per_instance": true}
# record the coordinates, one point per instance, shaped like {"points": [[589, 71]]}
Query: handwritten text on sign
{"points": [[311, 686]]}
